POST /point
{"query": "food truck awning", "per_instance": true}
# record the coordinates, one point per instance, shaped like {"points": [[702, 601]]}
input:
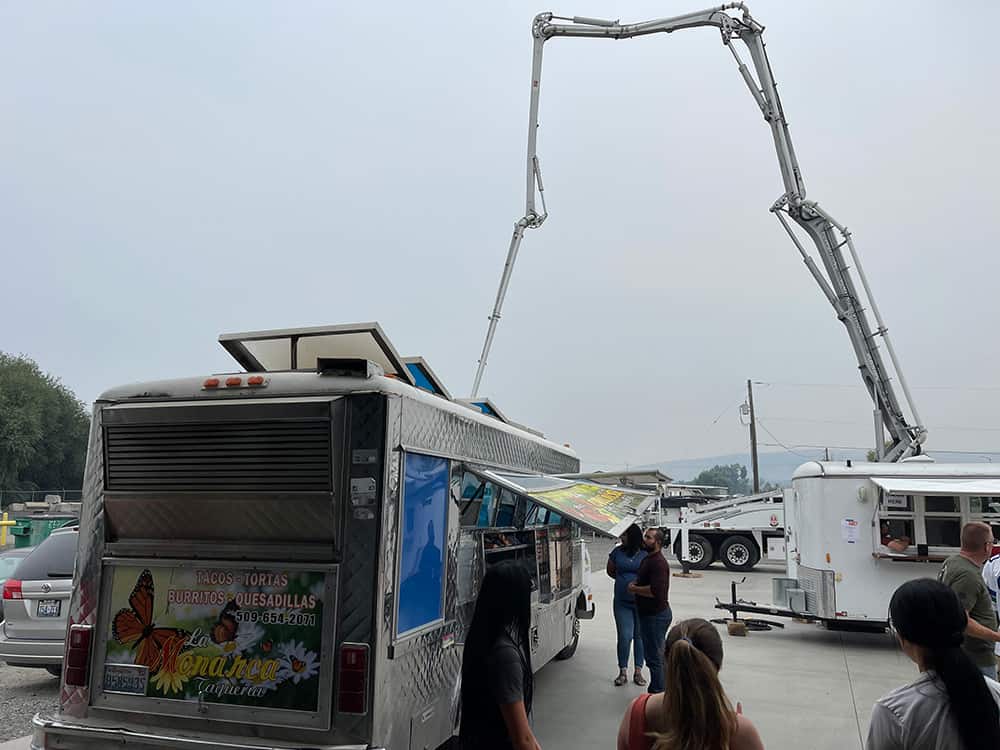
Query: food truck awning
{"points": [[906, 486], [601, 508]]}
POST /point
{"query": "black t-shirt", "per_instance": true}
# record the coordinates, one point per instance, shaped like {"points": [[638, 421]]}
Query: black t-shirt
{"points": [[503, 683], [655, 573]]}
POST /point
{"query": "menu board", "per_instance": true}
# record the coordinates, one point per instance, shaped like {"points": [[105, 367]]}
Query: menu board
{"points": [[607, 510], [222, 635]]}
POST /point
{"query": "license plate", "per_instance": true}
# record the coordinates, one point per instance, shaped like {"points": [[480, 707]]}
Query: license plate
{"points": [[49, 607], [129, 679]]}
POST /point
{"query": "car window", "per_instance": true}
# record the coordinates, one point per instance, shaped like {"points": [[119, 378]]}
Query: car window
{"points": [[7, 565], [53, 558]]}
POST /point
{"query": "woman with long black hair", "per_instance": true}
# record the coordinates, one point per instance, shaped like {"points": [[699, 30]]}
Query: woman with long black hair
{"points": [[497, 678], [623, 565], [951, 706]]}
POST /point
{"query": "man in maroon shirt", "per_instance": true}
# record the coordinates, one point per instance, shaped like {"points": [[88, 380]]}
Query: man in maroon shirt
{"points": [[650, 590]]}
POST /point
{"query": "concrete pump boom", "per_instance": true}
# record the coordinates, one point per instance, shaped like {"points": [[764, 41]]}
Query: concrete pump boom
{"points": [[829, 236]]}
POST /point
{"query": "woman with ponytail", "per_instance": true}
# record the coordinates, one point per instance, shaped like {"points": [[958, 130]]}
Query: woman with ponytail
{"points": [[694, 712], [951, 706]]}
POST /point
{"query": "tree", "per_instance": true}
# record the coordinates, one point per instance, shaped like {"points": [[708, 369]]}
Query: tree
{"points": [[733, 477], [43, 429]]}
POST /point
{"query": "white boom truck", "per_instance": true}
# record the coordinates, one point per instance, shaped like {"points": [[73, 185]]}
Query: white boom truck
{"points": [[738, 532], [841, 569]]}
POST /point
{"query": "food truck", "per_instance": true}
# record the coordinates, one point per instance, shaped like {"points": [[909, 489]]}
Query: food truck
{"points": [[288, 556]]}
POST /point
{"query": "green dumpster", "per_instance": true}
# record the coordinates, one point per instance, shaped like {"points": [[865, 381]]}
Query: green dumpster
{"points": [[21, 532], [42, 526]]}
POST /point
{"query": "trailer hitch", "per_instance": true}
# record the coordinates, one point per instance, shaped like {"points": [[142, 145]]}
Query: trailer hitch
{"points": [[736, 604]]}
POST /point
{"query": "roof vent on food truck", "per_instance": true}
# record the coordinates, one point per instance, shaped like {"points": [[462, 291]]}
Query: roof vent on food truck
{"points": [[348, 367], [302, 349]]}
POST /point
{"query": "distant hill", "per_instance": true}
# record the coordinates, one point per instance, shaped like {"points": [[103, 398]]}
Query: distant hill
{"points": [[777, 467]]}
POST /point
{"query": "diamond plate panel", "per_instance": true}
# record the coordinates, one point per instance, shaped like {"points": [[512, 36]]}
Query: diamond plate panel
{"points": [[819, 588], [447, 433], [73, 701], [365, 458]]}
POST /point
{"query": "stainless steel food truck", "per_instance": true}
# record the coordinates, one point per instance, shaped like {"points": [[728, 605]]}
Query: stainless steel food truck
{"points": [[288, 556]]}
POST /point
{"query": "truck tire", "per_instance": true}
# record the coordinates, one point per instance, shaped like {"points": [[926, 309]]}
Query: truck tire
{"points": [[699, 549], [567, 653], [739, 553]]}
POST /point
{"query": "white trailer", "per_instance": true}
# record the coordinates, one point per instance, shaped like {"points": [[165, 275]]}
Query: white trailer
{"points": [[840, 517], [738, 532]]}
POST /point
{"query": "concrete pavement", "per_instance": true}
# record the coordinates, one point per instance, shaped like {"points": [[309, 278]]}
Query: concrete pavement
{"points": [[24, 743], [803, 687]]}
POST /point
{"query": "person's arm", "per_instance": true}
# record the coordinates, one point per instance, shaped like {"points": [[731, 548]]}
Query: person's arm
{"points": [[981, 632], [968, 589], [612, 569], [659, 582], [746, 737], [518, 729], [884, 730], [637, 590], [623, 729], [898, 545]]}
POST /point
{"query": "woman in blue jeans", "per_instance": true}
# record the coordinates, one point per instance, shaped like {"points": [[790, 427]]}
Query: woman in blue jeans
{"points": [[623, 566]]}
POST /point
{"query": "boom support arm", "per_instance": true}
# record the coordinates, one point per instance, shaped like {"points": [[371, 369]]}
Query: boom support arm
{"points": [[829, 236]]}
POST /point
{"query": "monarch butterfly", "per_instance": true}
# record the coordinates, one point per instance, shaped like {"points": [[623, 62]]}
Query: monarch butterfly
{"points": [[224, 629], [134, 627], [266, 647], [297, 666]]}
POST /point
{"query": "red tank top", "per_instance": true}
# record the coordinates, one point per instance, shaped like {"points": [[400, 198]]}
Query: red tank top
{"points": [[637, 738]]}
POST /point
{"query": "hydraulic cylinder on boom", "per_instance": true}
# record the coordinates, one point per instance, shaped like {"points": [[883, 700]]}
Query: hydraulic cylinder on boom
{"points": [[896, 437]]}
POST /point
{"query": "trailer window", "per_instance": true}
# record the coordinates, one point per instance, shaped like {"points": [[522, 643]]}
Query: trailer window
{"points": [[984, 505], [899, 503], [942, 521], [422, 541], [941, 504], [943, 532]]}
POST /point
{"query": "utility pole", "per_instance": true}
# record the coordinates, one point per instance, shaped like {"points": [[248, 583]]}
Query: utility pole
{"points": [[753, 440]]}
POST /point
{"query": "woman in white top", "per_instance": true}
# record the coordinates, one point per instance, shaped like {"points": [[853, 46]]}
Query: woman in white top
{"points": [[951, 706]]}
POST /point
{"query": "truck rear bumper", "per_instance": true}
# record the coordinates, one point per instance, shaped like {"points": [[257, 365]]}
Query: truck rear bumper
{"points": [[52, 732], [24, 653]]}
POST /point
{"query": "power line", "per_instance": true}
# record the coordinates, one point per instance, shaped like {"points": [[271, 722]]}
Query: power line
{"points": [[936, 426], [858, 385]]}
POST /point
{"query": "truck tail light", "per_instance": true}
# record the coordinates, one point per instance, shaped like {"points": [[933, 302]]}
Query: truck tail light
{"points": [[352, 693], [76, 665]]}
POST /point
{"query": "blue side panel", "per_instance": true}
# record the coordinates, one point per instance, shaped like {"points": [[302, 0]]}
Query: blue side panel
{"points": [[422, 541], [484, 408], [421, 379]]}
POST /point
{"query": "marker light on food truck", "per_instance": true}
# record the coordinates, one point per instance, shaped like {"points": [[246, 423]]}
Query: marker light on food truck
{"points": [[255, 380], [234, 381], [76, 668], [353, 691], [210, 383]]}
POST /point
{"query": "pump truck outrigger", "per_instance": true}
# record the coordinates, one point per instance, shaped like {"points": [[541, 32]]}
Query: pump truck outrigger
{"points": [[289, 556], [829, 236]]}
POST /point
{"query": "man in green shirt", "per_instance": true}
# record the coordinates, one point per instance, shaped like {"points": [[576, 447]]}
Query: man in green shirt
{"points": [[962, 573]]}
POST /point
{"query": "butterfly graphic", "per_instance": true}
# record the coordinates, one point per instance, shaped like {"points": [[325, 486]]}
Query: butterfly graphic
{"points": [[297, 665], [224, 629], [134, 627], [266, 647]]}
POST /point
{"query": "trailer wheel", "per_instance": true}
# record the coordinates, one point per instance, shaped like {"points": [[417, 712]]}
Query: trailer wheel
{"points": [[699, 550], [739, 553]]}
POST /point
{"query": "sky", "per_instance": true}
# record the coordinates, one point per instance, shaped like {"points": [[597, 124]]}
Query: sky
{"points": [[172, 171]]}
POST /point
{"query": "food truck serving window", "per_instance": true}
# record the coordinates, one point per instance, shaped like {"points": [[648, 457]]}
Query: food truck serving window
{"points": [[422, 541]]}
